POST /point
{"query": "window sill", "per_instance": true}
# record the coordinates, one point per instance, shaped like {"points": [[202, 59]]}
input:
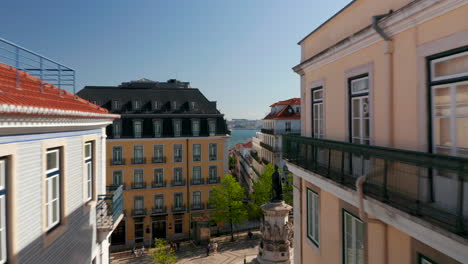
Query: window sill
{"points": [[50, 236]]}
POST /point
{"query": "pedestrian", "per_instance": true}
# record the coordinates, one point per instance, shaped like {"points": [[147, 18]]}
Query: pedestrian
{"points": [[208, 248], [142, 251], [178, 245], [250, 234], [134, 253], [215, 247]]}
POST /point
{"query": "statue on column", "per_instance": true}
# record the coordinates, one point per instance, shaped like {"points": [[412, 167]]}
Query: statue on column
{"points": [[277, 187]]}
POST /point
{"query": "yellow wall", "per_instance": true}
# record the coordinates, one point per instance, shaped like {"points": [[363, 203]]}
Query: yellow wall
{"points": [[168, 192]]}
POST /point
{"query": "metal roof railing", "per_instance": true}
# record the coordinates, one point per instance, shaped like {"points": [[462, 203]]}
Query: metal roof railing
{"points": [[47, 70]]}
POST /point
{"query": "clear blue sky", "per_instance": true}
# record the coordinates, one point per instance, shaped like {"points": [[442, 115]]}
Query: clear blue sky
{"points": [[238, 52]]}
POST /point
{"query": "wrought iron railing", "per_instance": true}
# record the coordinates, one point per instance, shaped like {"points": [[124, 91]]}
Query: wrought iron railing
{"points": [[117, 161], [198, 206], [178, 182], [159, 210], [197, 181], [430, 186], [158, 184], [178, 208], [139, 212], [139, 160], [213, 180], [37, 65], [268, 131], [109, 208], [138, 185], [159, 159], [267, 146]]}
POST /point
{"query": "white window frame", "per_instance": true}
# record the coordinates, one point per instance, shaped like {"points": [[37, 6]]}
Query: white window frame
{"points": [[178, 149], [178, 174], [196, 156], [199, 194], [198, 169], [213, 151], [114, 156], [212, 127], [195, 127], [360, 96], [137, 124], [177, 127], [89, 170], [158, 205], [52, 175], [157, 128], [156, 175], [114, 177], [318, 106], [158, 151], [138, 159], [313, 217], [181, 200], [213, 172], [447, 58], [3, 211], [117, 129], [355, 221]]}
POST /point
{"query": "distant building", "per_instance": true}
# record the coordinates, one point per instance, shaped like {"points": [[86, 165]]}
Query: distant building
{"points": [[169, 149], [53, 202], [382, 161], [243, 170], [284, 118], [244, 124]]}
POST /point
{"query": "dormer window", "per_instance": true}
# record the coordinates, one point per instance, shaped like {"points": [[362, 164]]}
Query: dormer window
{"points": [[156, 105], [193, 105], [195, 127], [177, 124], [212, 126], [157, 127], [137, 128], [137, 105], [115, 105], [174, 105]]}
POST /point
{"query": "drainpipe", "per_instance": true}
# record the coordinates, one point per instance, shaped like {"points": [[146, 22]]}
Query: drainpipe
{"points": [[388, 51], [360, 192]]}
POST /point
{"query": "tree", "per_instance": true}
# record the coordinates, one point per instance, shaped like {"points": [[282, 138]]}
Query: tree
{"points": [[261, 191], [227, 200], [162, 254], [288, 189]]}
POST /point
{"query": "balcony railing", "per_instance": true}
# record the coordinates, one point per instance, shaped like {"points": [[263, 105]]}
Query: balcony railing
{"points": [[109, 209], [255, 156], [213, 180], [159, 210], [197, 158], [430, 186], [265, 161], [158, 184], [178, 182], [177, 159], [139, 160], [117, 162], [139, 212], [198, 206], [197, 181], [268, 131], [267, 146], [157, 160], [213, 157], [178, 208], [37, 65], [138, 185]]}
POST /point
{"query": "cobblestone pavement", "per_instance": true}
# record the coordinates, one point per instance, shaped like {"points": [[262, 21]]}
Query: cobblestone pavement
{"points": [[228, 252]]}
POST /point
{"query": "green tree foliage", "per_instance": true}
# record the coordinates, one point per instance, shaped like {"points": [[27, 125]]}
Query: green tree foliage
{"points": [[161, 253], [288, 189], [232, 162], [261, 192], [227, 200]]}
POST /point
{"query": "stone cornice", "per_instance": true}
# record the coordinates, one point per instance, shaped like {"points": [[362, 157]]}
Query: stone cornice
{"points": [[31, 121], [7, 109]]}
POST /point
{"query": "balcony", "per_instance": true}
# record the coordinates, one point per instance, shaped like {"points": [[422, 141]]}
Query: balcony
{"points": [[265, 161], [255, 156], [197, 181], [114, 162], [213, 180], [429, 186], [198, 206], [158, 184], [160, 210], [197, 158], [109, 210], [270, 148], [268, 131], [138, 185], [177, 159], [157, 160], [139, 212], [178, 182], [213, 157], [178, 208], [139, 160]]}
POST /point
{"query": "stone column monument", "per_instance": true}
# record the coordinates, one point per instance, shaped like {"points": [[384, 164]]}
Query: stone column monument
{"points": [[277, 231]]}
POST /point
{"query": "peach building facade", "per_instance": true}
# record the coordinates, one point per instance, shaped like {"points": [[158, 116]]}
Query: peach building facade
{"points": [[381, 165]]}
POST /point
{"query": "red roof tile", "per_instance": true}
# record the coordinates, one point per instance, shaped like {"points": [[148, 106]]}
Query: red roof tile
{"points": [[287, 112], [30, 98], [248, 144], [292, 101]]}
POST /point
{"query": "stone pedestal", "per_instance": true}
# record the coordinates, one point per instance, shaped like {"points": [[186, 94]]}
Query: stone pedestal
{"points": [[277, 235]]}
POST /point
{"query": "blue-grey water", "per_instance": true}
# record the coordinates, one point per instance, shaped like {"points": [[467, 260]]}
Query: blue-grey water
{"points": [[241, 135]]}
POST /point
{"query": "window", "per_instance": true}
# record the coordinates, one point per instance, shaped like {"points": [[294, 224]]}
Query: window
{"points": [[195, 127], [178, 175], [3, 211], [317, 113], [177, 127], [178, 223], [137, 105], [287, 126], [138, 179], [196, 175], [359, 110], [193, 105], [353, 239], [197, 199], [88, 160], [158, 154], [139, 202], [139, 229], [177, 152], [53, 190], [178, 200], [196, 152], [117, 177], [117, 155], [313, 217], [138, 154], [157, 128], [158, 180], [174, 105], [137, 128], [212, 126], [117, 128], [213, 174], [115, 105], [213, 151], [156, 105], [159, 201], [425, 260]]}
